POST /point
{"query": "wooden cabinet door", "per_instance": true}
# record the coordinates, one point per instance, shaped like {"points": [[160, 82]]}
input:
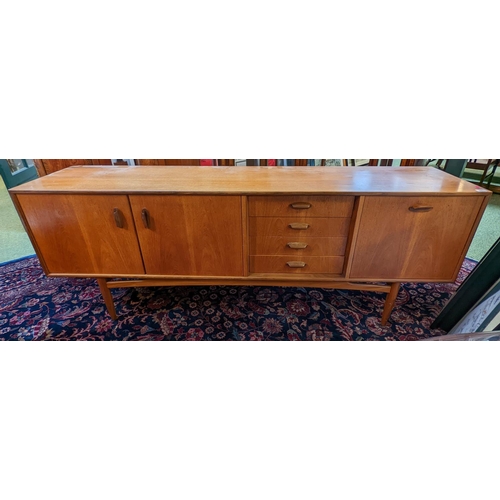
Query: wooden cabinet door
{"points": [[190, 235], [413, 238], [79, 233]]}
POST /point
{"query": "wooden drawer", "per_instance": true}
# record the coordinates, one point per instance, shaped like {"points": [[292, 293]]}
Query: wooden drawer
{"points": [[313, 265], [297, 246], [305, 206], [284, 226]]}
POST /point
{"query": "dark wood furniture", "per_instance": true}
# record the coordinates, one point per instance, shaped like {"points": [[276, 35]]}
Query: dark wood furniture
{"points": [[488, 168]]}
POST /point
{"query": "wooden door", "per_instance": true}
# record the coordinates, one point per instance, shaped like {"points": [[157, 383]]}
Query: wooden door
{"points": [[413, 238], [190, 235], [79, 233]]}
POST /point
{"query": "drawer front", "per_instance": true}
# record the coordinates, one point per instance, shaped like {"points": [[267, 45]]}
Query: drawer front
{"points": [[297, 245], [302, 206], [293, 227], [285, 264]]}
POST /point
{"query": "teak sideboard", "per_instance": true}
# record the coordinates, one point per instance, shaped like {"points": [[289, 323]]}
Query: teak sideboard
{"points": [[328, 227]]}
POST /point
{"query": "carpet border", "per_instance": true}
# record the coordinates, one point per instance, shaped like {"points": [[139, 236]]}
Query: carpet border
{"points": [[17, 260]]}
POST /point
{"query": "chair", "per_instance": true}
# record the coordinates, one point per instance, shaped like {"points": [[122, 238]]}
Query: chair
{"points": [[441, 164], [367, 163], [488, 167]]}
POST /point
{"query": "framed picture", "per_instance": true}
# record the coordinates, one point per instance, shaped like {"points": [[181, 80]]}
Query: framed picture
{"points": [[484, 317], [475, 307]]}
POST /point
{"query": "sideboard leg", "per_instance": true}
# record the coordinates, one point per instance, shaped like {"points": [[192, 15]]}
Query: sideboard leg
{"points": [[389, 302], [108, 298]]}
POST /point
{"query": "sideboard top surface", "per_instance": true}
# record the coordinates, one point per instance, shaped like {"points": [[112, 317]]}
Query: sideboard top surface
{"points": [[252, 180]]}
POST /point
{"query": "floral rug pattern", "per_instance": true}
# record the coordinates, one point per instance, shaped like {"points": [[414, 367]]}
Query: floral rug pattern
{"points": [[34, 307]]}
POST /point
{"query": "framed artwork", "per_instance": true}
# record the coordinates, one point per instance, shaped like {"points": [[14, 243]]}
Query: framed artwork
{"points": [[475, 307], [484, 317]]}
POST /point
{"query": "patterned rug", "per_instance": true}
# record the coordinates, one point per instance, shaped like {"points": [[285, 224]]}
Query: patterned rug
{"points": [[34, 307]]}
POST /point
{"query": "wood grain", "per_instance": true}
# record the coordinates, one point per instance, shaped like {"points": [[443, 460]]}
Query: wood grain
{"points": [[78, 233], [264, 227], [28, 230], [246, 235], [232, 226], [319, 206], [46, 167], [40, 168], [51, 166], [394, 243], [261, 244], [255, 280], [278, 264], [108, 298], [389, 303], [101, 162], [255, 180], [353, 233], [147, 162], [190, 235], [408, 163]]}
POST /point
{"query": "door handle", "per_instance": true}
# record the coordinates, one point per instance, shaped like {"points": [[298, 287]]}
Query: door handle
{"points": [[296, 263], [420, 208], [298, 225], [299, 206], [118, 217], [296, 245], [145, 218]]}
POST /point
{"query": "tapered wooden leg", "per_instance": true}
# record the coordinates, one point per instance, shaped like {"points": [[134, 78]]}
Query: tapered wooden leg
{"points": [[389, 302], [108, 298]]}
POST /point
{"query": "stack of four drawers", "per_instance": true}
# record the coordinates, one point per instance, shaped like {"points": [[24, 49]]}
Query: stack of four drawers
{"points": [[299, 234]]}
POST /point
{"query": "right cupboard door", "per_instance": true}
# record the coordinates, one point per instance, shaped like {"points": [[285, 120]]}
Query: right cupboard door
{"points": [[413, 238]]}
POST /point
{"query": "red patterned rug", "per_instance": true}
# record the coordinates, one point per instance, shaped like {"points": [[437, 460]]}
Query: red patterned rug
{"points": [[34, 307]]}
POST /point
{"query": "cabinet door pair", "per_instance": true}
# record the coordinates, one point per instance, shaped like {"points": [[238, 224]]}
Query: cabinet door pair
{"points": [[134, 235]]}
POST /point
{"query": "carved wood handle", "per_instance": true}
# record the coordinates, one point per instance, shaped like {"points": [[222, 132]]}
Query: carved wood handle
{"points": [[299, 206], [145, 218], [298, 225], [420, 208], [296, 263], [118, 217], [296, 245]]}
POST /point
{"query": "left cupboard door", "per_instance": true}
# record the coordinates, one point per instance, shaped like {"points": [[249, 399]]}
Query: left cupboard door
{"points": [[83, 234]]}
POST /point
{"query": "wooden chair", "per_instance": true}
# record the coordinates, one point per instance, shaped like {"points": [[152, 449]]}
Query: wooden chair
{"points": [[296, 162], [441, 164], [488, 167], [369, 163], [383, 163]]}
